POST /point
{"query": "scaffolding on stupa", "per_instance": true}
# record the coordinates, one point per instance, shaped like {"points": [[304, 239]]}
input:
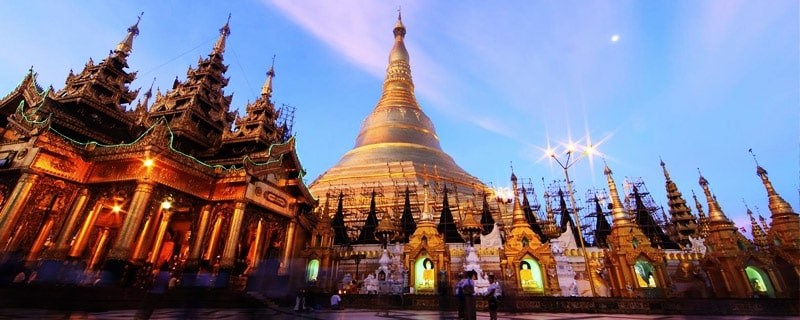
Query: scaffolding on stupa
{"points": [[648, 215], [564, 211]]}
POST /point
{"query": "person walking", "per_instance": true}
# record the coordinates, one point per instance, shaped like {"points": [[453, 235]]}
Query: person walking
{"points": [[468, 290], [460, 295], [495, 292]]}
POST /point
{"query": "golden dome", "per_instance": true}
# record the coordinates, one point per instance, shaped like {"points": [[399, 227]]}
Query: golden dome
{"points": [[397, 145]]}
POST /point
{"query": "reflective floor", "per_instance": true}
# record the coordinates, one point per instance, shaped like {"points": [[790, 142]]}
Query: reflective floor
{"points": [[287, 313]]}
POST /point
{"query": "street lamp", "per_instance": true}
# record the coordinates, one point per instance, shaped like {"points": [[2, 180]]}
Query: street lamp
{"points": [[566, 164]]}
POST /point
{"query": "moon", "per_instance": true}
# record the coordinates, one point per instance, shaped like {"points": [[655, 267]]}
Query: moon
{"points": [[615, 38]]}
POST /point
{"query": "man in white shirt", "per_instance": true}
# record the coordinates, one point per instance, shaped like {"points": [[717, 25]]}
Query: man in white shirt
{"points": [[495, 292], [335, 300]]}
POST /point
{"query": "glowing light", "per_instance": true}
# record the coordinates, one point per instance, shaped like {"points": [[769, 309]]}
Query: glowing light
{"points": [[166, 205], [116, 208], [615, 38], [148, 163], [504, 194]]}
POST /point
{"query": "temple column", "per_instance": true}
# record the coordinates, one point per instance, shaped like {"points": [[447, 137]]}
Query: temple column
{"points": [[98, 251], [255, 250], [61, 247], [14, 206], [201, 233], [162, 230], [44, 233], [212, 243], [80, 240], [123, 246], [138, 251], [232, 242], [286, 257]]}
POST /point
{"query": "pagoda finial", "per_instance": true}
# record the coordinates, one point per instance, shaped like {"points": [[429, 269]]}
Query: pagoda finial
{"points": [[715, 213], [664, 167], [759, 236], [224, 32], [619, 215], [266, 90], [702, 229], [777, 205], [126, 45], [399, 52], [519, 215]]}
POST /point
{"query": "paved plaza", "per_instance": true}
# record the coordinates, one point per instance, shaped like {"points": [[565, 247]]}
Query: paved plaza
{"points": [[287, 313]]}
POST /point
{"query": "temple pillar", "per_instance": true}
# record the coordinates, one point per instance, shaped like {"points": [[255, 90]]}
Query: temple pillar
{"points": [[139, 251], [98, 250], [232, 242], [162, 230], [61, 247], [44, 233], [123, 246], [286, 257], [254, 256], [194, 255], [80, 240], [14, 206], [212, 243]]}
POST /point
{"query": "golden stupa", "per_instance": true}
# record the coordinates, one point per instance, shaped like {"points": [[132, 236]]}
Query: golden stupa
{"points": [[397, 148]]}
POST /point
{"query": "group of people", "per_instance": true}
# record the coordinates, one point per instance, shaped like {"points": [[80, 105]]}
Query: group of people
{"points": [[465, 292]]}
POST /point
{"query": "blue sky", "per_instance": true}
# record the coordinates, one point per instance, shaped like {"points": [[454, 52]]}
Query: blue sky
{"points": [[695, 83]]}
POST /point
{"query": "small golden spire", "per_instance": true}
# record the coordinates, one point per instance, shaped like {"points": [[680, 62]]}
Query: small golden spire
{"points": [[666, 173], [224, 32], [702, 229], [619, 215], [266, 90], [518, 218], [777, 206], [715, 213], [126, 45], [763, 221], [759, 236]]}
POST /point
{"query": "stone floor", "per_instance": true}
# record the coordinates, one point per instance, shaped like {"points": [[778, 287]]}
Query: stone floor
{"points": [[287, 313]]}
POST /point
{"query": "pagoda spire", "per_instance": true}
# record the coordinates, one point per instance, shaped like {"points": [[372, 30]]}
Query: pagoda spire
{"points": [[684, 222], [530, 216], [339, 229], [487, 221], [407, 223], [125, 46], [447, 225], [759, 236], [702, 228], [619, 217], [602, 228], [763, 221], [266, 90], [715, 214], [367, 234], [224, 32], [777, 206], [518, 218]]}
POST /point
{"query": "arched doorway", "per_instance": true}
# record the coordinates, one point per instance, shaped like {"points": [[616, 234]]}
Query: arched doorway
{"points": [[312, 271], [645, 274], [759, 282]]}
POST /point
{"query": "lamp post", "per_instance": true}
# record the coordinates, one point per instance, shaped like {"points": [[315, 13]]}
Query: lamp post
{"points": [[566, 164]]}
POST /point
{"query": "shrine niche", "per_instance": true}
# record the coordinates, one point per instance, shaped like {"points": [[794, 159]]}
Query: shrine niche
{"points": [[424, 274], [531, 275]]}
